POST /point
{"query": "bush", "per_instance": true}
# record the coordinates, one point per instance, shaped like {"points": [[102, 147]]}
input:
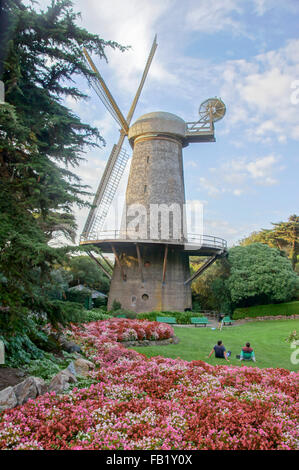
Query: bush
{"points": [[260, 275], [82, 297], [49, 365], [286, 308], [99, 302], [94, 315], [121, 311], [115, 305], [182, 318]]}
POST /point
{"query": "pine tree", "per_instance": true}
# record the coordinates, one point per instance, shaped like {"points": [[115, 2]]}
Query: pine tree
{"points": [[41, 140], [283, 235]]}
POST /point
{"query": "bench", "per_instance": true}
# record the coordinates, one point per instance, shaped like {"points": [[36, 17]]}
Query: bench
{"points": [[199, 321], [227, 321], [166, 319], [121, 315]]}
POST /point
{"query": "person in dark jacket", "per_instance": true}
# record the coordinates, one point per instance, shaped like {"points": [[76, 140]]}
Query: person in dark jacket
{"points": [[220, 351]]}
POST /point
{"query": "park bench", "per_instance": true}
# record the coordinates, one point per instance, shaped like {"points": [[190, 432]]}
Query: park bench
{"points": [[199, 321], [121, 315], [227, 321], [166, 319]]}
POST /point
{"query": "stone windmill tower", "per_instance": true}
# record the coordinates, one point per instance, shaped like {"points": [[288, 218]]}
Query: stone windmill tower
{"points": [[152, 247]]}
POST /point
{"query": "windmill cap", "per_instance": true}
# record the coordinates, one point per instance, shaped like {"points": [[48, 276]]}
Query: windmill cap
{"points": [[158, 122]]}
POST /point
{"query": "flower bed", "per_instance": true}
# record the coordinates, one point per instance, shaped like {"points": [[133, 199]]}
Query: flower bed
{"points": [[158, 403], [126, 330]]}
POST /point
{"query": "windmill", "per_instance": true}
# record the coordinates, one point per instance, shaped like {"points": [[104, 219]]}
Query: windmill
{"points": [[152, 248]]}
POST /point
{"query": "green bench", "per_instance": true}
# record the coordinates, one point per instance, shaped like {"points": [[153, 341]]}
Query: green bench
{"points": [[166, 319], [199, 321], [121, 315], [227, 321]]}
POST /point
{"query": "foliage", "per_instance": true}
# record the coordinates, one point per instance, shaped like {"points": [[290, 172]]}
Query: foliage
{"points": [[286, 309], [41, 140], [49, 365], [94, 315], [259, 275], [209, 288], [82, 297], [21, 338], [182, 318], [284, 236], [121, 311], [160, 404], [115, 306], [26, 339], [85, 271], [100, 302]]}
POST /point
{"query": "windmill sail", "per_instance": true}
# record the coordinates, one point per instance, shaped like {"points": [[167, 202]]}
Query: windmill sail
{"points": [[118, 158], [106, 191]]}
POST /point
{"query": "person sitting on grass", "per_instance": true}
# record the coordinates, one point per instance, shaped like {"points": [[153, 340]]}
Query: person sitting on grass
{"points": [[247, 353], [220, 351]]}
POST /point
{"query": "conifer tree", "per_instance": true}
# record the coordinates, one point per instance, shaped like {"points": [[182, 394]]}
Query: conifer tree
{"points": [[41, 141], [283, 235]]}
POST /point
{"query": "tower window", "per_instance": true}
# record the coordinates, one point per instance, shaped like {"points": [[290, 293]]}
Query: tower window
{"points": [[145, 297], [147, 159], [145, 188]]}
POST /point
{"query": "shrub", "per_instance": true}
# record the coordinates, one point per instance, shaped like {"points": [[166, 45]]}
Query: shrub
{"points": [[115, 305], [182, 318], [286, 308], [94, 315], [121, 311], [99, 302], [49, 365], [82, 297]]}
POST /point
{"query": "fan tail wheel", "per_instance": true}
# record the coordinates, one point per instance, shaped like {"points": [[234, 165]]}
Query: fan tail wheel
{"points": [[212, 109]]}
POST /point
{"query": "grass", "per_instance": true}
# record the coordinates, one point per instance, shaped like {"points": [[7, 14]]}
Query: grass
{"points": [[268, 339]]}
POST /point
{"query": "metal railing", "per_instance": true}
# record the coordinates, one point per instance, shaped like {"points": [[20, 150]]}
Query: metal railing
{"points": [[191, 239]]}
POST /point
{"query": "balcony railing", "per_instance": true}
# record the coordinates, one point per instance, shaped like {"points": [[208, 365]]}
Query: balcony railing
{"points": [[192, 240]]}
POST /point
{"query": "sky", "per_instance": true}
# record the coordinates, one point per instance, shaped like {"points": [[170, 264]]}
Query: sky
{"points": [[244, 51]]}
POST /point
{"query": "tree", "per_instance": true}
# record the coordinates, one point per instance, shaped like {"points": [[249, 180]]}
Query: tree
{"points": [[209, 288], [288, 235], [85, 271], [260, 275], [284, 236], [40, 141]]}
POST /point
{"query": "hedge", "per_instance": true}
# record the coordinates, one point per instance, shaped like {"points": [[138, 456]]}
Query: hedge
{"points": [[182, 318], [286, 308]]}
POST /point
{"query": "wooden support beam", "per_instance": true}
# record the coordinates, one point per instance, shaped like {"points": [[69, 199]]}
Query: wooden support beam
{"points": [[123, 275], [106, 261], [100, 264], [207, 263], [164, 264], [139, 262]]}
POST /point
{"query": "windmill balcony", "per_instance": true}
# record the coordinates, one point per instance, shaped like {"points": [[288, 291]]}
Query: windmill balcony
{"points": [[207, 244]]}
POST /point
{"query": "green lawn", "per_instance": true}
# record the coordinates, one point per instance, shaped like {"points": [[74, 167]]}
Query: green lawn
{"points": [[267, 339]]}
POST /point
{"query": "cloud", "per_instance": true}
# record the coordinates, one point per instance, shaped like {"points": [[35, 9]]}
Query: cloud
{"points": [[128, 23], [211, 17], [239, 175]]}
